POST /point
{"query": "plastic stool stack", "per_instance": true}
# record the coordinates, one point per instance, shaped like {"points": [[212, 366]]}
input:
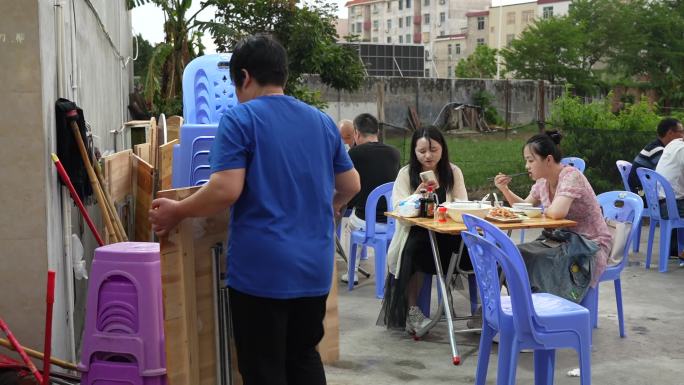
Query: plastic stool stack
{"points": [[208, 93], [123, 341]]}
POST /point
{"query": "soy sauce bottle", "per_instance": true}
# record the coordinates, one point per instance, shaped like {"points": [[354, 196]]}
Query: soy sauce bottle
{"points": [[430, 203]]}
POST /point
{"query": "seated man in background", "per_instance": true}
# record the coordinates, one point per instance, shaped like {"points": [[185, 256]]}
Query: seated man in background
{"points": [[671, 167], [668, 130], [346, 128], [377, 164]]}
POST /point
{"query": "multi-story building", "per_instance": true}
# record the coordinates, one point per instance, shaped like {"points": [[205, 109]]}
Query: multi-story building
{"points": [[477, 31], [551, 8], [446, 52]]}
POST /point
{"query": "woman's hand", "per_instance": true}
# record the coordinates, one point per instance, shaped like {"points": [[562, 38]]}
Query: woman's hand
{"points": [[425, 185], [501, 181]]}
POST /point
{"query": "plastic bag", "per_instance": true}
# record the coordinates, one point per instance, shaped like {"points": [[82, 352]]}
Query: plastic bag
{"points": [[409, 207]]}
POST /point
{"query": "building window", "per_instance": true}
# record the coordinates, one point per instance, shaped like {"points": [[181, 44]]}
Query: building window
{"points": [[408, 21], [480, 41], [442, 17], [480, 23], [408, 4], [442, 33], [389, 24], [458, 49], [427, 72], [426, 18], [389, 39], [442, 2], [401, 21], [510, 18], [352, 27], [408, 38], [376, 25], [527, 16], [375, 40], [375, 8], [449, 72], [426, 2], [509, 39], [401, 5], [547, 12], [449, 49], [401, 39], [358, 27], [389, 6]]}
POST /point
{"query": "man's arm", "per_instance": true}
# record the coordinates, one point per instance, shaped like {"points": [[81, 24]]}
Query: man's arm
{"points": [[347, 184], [223, 189]]}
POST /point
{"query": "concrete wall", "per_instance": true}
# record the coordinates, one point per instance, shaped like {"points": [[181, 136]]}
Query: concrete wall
{"points": [[36, 215], [428, 96]]}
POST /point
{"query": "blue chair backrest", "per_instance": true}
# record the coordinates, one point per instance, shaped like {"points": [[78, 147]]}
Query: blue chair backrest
{"points": [[207, 89], [575, 162], [485, 255], [371, 205], [626, 207], [625, 168], [652, 182]]}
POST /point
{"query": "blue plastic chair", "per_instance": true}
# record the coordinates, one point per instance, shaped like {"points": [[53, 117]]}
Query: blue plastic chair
{"points": [[370, 237], [541, 321], [625, 168], [575, 162], [183, 153], [208, 91], [620, 206], [652, 182]]}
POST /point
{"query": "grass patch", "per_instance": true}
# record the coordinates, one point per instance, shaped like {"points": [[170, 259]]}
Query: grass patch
{"points": [[482, 156]]}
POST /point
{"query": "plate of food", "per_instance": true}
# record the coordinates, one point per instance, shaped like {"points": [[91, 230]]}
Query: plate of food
{"points": [[505, 215]]}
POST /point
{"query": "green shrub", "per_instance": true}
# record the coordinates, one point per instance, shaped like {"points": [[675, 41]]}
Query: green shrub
{"points": [[593, 133]]}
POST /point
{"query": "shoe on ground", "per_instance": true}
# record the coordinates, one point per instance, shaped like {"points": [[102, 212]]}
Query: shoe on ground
{"points": [[345, 278], [415, 320], [681, 262]]}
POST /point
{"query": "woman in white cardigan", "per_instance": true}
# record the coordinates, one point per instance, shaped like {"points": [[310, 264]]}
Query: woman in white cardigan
{"points": [[409, 256]]}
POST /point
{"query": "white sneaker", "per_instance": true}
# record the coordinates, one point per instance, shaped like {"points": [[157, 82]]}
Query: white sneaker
{"points": [[415, 320], [345, 278]]}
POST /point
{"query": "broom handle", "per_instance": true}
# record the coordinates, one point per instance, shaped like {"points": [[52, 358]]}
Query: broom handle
{"points": [[47, 345], [21, 351], [110, 204], [39, 355], [65, 178], [91, 174]]}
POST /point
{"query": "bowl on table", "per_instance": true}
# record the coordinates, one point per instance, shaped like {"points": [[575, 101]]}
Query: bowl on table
{"points": [[455, 210], [519, 207], [532, 212]]}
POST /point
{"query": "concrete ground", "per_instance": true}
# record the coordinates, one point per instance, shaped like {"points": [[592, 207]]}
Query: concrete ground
{"points": [[651, 353]]}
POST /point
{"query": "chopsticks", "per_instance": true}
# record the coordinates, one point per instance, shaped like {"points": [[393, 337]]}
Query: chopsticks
{"points": [[511, 175]]}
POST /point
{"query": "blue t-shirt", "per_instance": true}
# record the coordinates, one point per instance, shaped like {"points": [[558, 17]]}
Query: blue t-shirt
{"points": [[281, 232]]}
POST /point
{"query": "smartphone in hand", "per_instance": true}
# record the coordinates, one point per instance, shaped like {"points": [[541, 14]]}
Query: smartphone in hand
{"points": [[429, 177]]}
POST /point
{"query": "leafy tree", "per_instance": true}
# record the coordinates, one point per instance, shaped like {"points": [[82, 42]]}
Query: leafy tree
{"points": [[306, 31], [162, 85], [144, 54], [479, 64]]}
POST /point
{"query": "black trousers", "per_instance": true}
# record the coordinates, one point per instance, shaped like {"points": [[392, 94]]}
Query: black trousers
{"points": [[276, 339]]}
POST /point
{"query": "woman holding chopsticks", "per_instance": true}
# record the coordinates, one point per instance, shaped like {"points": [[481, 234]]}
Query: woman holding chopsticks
{"points": [[563, 192]]}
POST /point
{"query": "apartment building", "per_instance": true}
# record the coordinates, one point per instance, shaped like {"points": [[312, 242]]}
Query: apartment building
{"points": [[508, 19], [477, 31], [446, 52], [551, 8]]}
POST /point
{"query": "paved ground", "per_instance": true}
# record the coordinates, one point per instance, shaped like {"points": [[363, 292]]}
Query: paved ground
{"points": [[651, 353]]}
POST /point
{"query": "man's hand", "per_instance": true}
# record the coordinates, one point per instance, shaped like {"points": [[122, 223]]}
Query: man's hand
{"points": [[164, 215]]}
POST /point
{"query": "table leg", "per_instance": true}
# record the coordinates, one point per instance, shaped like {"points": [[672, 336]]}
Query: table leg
{"points": [[456, 359]]}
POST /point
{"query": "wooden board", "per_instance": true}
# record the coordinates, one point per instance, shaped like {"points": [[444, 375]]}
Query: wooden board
{"points": [[143, 151], [188, 295], [173, 125], [154, 144], [118, 178], [143, 193], [166, 165]]}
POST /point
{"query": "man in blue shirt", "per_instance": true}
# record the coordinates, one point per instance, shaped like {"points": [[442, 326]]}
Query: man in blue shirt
{"points": [[281, 166]]}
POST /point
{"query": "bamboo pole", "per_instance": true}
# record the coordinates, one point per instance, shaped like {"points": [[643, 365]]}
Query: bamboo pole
{"points": [[39, 355], [91, 174]]}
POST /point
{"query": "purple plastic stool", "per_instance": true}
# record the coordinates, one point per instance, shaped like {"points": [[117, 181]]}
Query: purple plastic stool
{"points": [[124, 326]]}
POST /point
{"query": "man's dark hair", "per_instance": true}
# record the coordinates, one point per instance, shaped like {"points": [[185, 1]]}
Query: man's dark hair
{"points": [[262, 57], [667, 124], [366, 124]]}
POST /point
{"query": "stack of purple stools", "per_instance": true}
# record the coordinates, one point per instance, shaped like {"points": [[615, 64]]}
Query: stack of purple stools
{"points": [[123, 340]]}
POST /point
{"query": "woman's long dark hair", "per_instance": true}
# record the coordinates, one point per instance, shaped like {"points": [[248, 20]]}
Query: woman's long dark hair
{"points": [[444, 173]]}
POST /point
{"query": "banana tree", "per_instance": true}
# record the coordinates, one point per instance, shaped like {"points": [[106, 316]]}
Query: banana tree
{"points": [[162, 84]]}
